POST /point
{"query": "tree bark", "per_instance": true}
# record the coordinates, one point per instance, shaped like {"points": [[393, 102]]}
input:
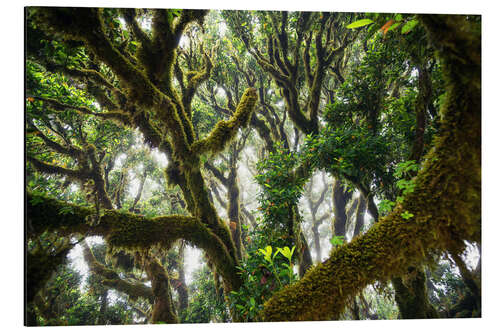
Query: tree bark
{"points": [[163, 307]]}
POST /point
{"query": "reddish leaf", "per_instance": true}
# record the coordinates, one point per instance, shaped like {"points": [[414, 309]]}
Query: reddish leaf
{"points": [[386, 26]]}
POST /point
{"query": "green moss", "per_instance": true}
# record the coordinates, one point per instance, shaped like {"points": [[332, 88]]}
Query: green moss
{"points": [[205, 211], [132, 232], [226, 130], [44, 214], [163, 307]]}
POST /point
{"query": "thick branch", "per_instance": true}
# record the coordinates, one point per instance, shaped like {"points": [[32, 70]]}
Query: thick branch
{"points": [[118, 115], [113, 280], [129, 231], [225, 131], [51, 169]]}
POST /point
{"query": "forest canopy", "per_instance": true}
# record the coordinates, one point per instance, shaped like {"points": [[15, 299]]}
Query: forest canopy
{"points": [[315, 165]]}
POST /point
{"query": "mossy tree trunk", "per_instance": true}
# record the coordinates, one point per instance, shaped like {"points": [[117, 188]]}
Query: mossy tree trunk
{"points": [[360, 215], [411, 295], [163, 306], [340, 198]]}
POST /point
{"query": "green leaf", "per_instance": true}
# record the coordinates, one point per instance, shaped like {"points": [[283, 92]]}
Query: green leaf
{"points": [[267, 252], [276, 253], [337, 240], [286, 252], [409, 26], [66, 210], [394, 26], [406, 215], [360, 23], [36, 200]]}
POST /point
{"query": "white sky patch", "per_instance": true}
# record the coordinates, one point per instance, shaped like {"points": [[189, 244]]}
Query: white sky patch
{"points": [[222, 28], [78, 262], [119, 160], [122, 23], [134, 184], [159, 158], [184, 42], [145, 23], [193, 260]]}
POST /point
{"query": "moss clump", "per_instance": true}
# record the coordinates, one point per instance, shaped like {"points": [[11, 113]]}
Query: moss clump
{"points": [[46, 214]]}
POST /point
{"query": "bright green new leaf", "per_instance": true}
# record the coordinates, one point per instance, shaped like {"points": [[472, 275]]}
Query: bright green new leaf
{"points": [[409, 26], [406, 215], [360, 23], [394, 26], [337, 240], [267, 253]]}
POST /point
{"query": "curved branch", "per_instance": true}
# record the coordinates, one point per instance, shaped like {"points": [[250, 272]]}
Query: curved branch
{"points": [[71, 151], [113, 280], [118, 115], [226, 130], [51, 169], [129, 231]]}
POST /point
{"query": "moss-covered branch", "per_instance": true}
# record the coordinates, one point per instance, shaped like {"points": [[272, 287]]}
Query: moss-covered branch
{"points": [[442, 212], [113, 280], [129, 231], [226, 130], [60, 106], [40, 264], [194, 79], [163, 307], [51, 169], [57, 147]]}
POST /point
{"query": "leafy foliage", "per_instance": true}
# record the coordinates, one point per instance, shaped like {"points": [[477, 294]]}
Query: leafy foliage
{"points": [[264, 272], [280, 191]]}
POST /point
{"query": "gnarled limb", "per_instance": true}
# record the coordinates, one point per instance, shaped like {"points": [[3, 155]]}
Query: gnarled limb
{"points": [[113, 280], [129, 231], [225, 131]]}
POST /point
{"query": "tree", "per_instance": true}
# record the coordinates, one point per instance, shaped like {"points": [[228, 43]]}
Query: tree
{"points": [[110, 89]]}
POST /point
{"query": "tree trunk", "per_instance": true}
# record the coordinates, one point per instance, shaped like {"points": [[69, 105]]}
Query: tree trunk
{"points": [[233, 211], [360, 216], [163, 307], [317, 244], [411, 295], [340, 199], [101, 319]]}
